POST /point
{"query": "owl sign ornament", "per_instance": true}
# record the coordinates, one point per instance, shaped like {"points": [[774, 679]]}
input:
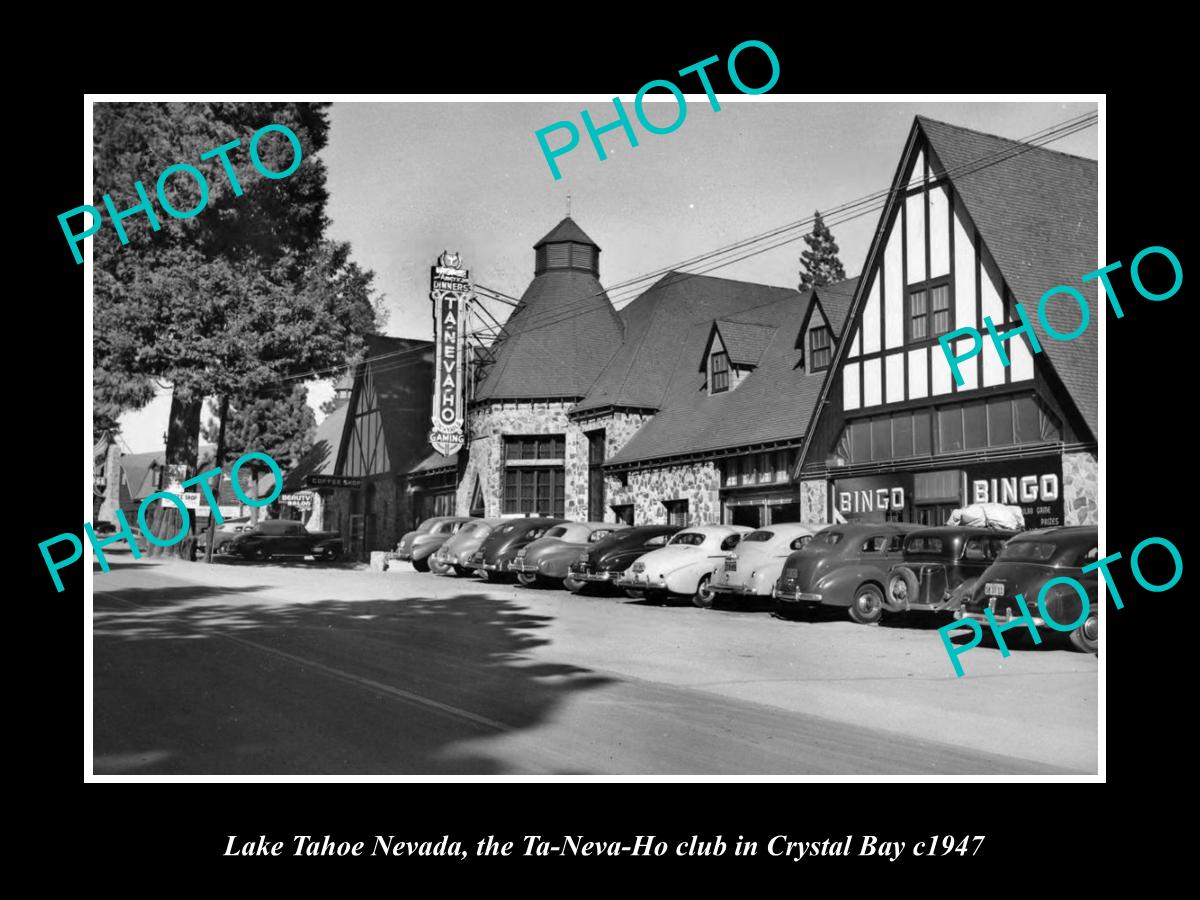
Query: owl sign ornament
{"points": [[450, 290]]}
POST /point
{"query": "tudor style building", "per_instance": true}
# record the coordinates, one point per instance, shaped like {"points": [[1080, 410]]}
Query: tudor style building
{"points": [[974, 223]]}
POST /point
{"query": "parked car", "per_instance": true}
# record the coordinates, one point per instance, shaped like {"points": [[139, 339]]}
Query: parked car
{"points": [[454, 556], [752, 569], [939, 569], [684, 565], [549, 557], [605, 561], [843, 565], [492, 558], [224, 535], [1024, 566], [418, 545], [279, 537]]}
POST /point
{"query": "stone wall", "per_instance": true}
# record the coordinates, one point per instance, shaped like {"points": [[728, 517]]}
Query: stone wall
{"points": [[1081, 495], [487, 426], [646, 489], [390, 503], [813, 502]]}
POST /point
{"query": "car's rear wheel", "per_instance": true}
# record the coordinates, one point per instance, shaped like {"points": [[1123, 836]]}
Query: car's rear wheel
{"points": [[261, 554], [705, 597], [574, 585], [529, 579], [438, 568], [421, 565], [867, 608], [1086, 638], [902, 587], [331, 554]]}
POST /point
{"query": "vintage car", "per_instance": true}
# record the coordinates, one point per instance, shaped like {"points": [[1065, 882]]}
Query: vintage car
{"points": [[454, 556], [549, 557], [492, 558], [939, 569], [279, 537], [684, 565], [605, 561], [418, 545], [843, 565], [753, 568], [225, 534], [1024, 566]]}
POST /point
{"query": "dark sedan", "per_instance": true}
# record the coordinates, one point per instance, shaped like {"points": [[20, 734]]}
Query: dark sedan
{"points": [[605, 561], [494, 555], [940, 567], [277, 537], [1027, 563]]}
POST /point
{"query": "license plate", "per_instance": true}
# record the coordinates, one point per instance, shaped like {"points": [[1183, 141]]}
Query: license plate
{"points": [[993, 589], [730, 564]]}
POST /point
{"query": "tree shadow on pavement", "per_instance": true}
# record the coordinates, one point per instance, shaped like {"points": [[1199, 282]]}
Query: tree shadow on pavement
{"points": [[235, 686]]}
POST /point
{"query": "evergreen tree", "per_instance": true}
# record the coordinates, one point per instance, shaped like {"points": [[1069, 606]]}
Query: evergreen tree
{"points": [[820, 260], [276, 422]]}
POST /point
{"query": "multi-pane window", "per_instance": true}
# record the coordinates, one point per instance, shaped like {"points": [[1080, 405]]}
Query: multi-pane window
{"points": [[543, 446], [977, 425], [718, 372], [677, 512], [820, 348], [928, 312], [759, 468], [534, 490]]}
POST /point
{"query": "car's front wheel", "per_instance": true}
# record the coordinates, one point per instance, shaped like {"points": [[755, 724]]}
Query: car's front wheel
{"points": [[331, 554], [437, 567], [262, 554], [421, 565], [1086, 637], [574, 585], [705, 597], [529, 579], [867, 608]]}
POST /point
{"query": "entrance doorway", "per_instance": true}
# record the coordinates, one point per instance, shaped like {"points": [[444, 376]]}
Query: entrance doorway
{"points": [[933, 513], [750, 516]]}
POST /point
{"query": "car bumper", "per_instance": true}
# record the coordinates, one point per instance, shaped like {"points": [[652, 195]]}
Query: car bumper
{"points": [[600, 577], [1001, 619], [633, 583], [522, 567], [794, 596], [491, 567]]}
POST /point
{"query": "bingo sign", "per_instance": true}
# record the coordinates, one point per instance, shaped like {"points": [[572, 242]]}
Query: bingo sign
{"points": [[450, 291]]}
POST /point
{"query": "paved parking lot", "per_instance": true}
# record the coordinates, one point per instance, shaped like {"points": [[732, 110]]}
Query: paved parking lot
{"points": [[303, 667]]}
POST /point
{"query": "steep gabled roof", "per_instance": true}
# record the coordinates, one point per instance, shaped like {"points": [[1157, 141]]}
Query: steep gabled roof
{"points": [[774, 403], [402, 374], [321, 458], [1037, 214], [743, 341], [835, 301], [657, 328]]}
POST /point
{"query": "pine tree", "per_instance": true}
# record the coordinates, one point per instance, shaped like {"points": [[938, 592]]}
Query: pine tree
{"points": [[820, 260]]}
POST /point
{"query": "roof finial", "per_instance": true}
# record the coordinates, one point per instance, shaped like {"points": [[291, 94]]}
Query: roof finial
{"points": [[568, 206]]}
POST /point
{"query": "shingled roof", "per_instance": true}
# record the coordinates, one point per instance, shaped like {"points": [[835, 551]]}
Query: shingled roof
{"points": [[560, 337], [402, 373], [1037, 214], [744, 342], [657, 325], [321, 458], [773, 403]]}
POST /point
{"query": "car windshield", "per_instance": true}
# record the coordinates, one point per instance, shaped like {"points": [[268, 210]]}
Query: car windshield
{"points": [[557, 531], [1028, 551], [923, 544], [693, 538], [758, 537]]}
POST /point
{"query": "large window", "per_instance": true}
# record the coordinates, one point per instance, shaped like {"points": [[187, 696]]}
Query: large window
{"points": [[534, 490], [977, 425], [928, 312], [757, 468], [544, 446], [820, 348], [718, 372]]}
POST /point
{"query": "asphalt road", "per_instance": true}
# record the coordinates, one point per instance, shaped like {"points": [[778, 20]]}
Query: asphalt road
{"points": [[298, 668]]}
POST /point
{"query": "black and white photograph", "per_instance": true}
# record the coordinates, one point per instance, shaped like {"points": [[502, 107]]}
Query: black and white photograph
{"points": [[689, 434]]}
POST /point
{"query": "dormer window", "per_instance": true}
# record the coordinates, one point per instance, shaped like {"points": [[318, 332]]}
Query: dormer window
{"points": [[820, 348], [718, 372]]}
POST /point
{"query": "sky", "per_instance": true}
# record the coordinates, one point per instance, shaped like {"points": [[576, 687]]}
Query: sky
{"points": [[408, 180]]}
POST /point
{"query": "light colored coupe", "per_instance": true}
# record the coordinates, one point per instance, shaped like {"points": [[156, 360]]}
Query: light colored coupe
{"points": [[753, 568], [685, 565], [452, 557]]}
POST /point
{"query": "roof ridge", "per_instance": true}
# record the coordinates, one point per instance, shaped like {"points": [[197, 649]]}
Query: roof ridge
{"points": [[1001, 137]]}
